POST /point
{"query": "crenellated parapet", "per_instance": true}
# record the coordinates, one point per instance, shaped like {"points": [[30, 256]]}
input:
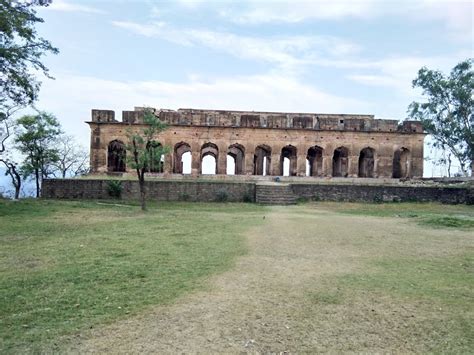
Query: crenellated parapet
{"points": [[273, 120]]}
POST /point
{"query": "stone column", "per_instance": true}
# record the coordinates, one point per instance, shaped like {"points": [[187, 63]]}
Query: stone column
{"points": [[353, 168], [195, 163], [327, 163], [222, 161], [301, 164], [249, 155], [275, 163]]}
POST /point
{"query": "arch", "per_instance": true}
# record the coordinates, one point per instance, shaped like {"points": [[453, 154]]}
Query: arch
{"points": [[209, 150], [367, 162], [401, 163], [315, 161], [180, 149], [237, 152], [340, 162], [262, 160], [116, 156], [156, 163], [288, 152]]}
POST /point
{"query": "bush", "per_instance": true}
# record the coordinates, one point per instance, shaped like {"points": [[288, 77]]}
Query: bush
{"points": [[248, 197], [114, 188], [184, 197], [222, 195]]}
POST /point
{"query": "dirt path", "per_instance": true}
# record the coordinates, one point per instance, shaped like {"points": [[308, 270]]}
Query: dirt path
{"points": [[278, 298]]}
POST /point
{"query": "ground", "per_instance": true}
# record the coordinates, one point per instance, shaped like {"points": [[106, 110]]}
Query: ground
{"points": [[313, 277]]}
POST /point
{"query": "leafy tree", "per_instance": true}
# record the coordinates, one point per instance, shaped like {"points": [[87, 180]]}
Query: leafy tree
{"points": [[448, 112], [145, 151], [37, 138], [21, 50]]}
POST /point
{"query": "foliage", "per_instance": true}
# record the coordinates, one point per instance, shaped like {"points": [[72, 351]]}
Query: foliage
{"points": [[21, 50], [145, 151], [114, 188], [222, 195], [36, 138], [248, 197], [68, 266], [448, 112]]}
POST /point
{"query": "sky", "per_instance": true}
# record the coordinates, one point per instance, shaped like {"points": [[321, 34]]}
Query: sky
{"points": [[296, 56]]}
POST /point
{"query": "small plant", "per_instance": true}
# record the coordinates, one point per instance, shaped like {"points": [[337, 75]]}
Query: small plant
{"points": [[378, 199], [222, 195], [184, 197], [248, 197], [114, 188]]}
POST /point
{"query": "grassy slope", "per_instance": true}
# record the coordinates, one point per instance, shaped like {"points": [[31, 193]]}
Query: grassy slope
{"points": [[67, 266]]}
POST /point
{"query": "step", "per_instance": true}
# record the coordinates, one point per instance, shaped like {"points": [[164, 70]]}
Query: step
{"points": [[275, 194]]}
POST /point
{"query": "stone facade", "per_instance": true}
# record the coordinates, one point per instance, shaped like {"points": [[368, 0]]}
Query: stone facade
{"points": [[260, 143]]}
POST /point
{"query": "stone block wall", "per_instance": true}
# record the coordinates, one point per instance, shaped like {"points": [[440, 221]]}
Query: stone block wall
{"points": [[384, 193], [156, 190]]}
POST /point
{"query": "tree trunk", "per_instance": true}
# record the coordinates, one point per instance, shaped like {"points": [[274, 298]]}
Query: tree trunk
{"points": [[37, 183], [141, 182]]}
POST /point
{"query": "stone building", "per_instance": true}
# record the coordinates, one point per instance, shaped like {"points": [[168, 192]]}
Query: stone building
{"points": [[266, 143]]}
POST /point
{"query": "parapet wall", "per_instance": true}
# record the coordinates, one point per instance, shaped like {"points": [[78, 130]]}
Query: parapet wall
{"points": [[274, 120], [204, 191]]}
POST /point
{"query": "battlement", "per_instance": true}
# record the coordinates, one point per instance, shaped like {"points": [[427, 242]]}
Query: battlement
{"points": [[254, 119]]}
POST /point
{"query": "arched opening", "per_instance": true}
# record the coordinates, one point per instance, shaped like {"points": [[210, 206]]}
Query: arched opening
{"points": [[156, 159], [340, 162], [262, 160], [288, 159], [182, 165], [186, 160], [314, 165], [209, 158], [116, 155], [366, 162], [401, 163], [235, 159]]}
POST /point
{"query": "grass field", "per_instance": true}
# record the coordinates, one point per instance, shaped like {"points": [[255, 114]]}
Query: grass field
{"points": [[183, 277], [68, 266]]}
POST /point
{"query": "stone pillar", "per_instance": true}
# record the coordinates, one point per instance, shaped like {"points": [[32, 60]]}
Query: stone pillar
{"points": [[353, 168], [249, 156], [195, 160], [301, 164], [222, 160], [275, 164], [327, 163]]}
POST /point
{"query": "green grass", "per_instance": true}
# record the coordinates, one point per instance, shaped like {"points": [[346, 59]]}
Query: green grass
{"points": [[426, 214], [68, 266]]}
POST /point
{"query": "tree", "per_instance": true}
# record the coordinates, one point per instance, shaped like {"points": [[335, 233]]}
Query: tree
{"points": [[21, 50], [36, 139], [14, 173], [448, 112], [145, 151], [72, 158]]}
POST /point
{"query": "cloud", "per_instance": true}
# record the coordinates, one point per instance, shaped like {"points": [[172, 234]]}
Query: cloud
{"points": [[455, 15], [287, 52], [66, 6], [258, 11], [71, 97]]}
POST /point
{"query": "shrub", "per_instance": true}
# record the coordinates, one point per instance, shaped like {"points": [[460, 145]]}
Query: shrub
{"points": [[114, 188], [248, 197], [184, 197], [222, 195]]}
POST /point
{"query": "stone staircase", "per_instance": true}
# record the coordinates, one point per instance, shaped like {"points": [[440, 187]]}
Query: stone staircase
{"points": [[275, 194]]}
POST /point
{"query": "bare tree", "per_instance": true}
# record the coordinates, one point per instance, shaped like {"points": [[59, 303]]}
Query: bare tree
{"points": [[73, 159]]}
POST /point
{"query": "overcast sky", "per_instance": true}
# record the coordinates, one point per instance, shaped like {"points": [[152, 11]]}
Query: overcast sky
{"points": [[300, 56]]}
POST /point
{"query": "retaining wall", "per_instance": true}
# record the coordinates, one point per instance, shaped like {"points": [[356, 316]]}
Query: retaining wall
{"points": [[205, 191]]}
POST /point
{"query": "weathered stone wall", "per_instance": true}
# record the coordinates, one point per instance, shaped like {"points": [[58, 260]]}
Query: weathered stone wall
{"points": [[205, 191], [449, 195], [156, 190], [195, 131]]}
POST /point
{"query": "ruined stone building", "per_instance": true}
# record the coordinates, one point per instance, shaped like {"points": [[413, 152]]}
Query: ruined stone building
{"points": [[263, 143]]}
